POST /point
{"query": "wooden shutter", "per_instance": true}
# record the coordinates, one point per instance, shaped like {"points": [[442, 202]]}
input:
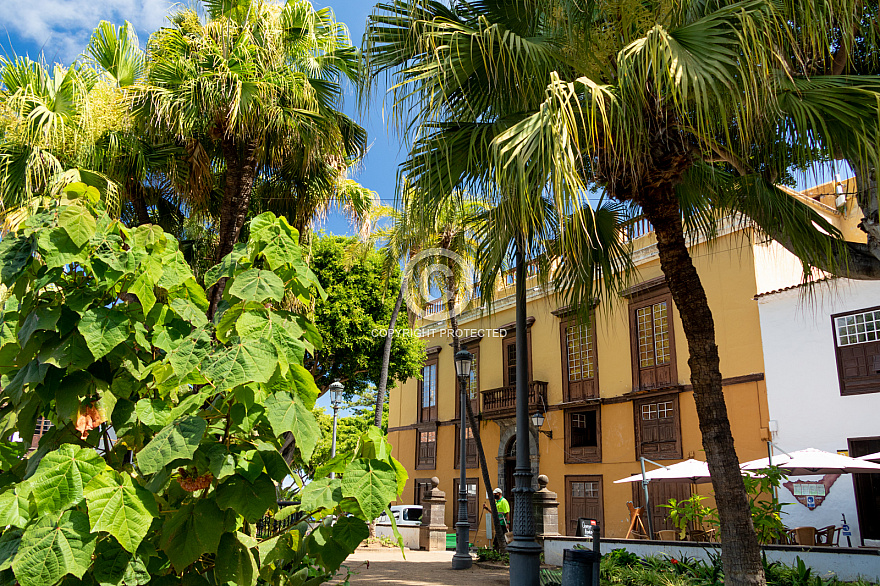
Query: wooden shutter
{"points": [[658, 427], [427, 449], [508, 349], [428, 392], [653, 345], [583, 498], [422, 486], [660, 493], [582, 436], [472, 489], [471, 458], [579, 361], [857, 340]]}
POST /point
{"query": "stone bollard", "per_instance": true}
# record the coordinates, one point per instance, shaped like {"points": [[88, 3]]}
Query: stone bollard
{"points": [[546, 510], [432, 533]]}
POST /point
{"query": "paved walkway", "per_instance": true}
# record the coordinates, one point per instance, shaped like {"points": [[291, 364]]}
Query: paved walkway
{"points": [[420, 568]]}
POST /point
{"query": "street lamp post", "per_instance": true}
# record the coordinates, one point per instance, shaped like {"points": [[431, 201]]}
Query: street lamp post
{"points": [[462, 558], [525, 560], [335, 394]]}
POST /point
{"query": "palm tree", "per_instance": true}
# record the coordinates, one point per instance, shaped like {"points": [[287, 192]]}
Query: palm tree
{"points": [[687, 115], [259, 84], [676, 115]]}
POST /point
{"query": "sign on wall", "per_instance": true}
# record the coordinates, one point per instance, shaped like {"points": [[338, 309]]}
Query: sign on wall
{"points": [[811, 493]]}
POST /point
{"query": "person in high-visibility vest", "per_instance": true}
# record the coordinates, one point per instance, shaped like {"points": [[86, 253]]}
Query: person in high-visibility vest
{"points": [[503, 508]]}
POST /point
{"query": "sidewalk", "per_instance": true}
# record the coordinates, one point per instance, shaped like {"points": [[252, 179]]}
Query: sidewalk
{"points": [[420, 568]]}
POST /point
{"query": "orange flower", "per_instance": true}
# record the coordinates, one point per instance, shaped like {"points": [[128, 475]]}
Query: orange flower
{"points": [[88, 417]]}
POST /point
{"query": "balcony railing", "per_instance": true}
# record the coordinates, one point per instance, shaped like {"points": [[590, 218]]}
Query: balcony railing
{"points": [[499, 403]]}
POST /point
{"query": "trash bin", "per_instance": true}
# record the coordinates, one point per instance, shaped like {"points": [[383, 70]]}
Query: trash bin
{"points": [[577, 567]]}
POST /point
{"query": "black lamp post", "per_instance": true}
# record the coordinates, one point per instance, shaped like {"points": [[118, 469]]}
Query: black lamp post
{"points": [[335, 395], [462, 558], [525, 561]]}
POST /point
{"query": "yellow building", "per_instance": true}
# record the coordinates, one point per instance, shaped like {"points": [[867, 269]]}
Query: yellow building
{"points": [[612, 392]]}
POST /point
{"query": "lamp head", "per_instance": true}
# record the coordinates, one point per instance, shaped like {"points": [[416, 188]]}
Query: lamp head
{"points": [[463, 361], [336, 389], [537, 419]]}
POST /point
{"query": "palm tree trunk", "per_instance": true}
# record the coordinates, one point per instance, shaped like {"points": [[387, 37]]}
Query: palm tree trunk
{"points": [[241, 170], [497, 538], [386, 360], [139, 203], [740, 554]]}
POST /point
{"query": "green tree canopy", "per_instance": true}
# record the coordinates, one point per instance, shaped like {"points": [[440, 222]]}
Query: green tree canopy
{"points": [[353, 318], [104, 325]]}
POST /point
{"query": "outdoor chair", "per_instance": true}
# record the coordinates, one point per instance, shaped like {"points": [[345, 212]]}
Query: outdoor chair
{"points": [[828, 535], [667, 535], [803, 535], [701, 536]]}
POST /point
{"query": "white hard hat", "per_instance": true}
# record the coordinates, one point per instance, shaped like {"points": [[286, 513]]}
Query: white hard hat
{"points": [[497, 491]]}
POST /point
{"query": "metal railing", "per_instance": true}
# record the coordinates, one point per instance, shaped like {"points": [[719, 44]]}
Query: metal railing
{"points": [[268, 526]]}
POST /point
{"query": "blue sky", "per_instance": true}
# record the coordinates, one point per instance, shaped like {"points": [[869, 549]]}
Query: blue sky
{"points": [[60, 29]]}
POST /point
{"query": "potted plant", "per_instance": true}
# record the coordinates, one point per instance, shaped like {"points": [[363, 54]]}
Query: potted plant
{"points": [[690, 511]]}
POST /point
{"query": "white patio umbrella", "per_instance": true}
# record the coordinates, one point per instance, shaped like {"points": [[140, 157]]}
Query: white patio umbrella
{"points": [[693, 470], [812, 461], [870, 457]]}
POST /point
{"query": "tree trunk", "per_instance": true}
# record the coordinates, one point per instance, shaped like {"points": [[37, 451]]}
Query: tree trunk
{"points": [[741, 554], [497, 538], [139, 203], [241, 170], [386, 359]]}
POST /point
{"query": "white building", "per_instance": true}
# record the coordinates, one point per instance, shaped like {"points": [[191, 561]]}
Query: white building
{"points": [[822, 367]]}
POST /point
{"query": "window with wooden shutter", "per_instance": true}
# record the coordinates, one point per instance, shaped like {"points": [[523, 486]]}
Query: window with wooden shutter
{"points": [[428, 392], [658, 428], [583, 438], [471, 488], [583, 499], [427, 450], [857, 342], [579, 361], [653, 346], [471, 460], [508, 351]]}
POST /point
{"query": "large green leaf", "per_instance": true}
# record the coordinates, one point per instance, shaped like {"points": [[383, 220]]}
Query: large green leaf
{"points": [[350, 532], [62, 475], [191, 352], [57, 249], [324, 493], [257, 285], [373, 483], [193, 530], [241, 361], [287, 414], [103, 329], [14, 508], [121, 508], [78, 222], [15, 252], [235, 562], [71, 353], [9, 543], [42, 318], [33, 373], [177, 440], [250, 500], [111, 561], [305, 386], [52, 549]]}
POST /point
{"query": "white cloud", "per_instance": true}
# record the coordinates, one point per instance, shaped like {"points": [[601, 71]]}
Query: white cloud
{"points": [[62, 27]]}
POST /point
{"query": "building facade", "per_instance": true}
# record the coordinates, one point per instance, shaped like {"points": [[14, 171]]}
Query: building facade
{"points": [[822, 362], [611, 391]]}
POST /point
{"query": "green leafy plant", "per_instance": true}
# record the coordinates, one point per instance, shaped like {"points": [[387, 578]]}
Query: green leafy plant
{"points": [[690, 511], [488, 554], [766, 509], [104, 332]]}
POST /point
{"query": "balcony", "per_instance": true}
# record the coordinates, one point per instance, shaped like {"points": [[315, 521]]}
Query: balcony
{"points": [[501, 403]]}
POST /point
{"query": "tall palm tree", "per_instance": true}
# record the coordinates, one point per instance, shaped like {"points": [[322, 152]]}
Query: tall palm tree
{"points": [[687, 114], [259, 84], [680, 113]]}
